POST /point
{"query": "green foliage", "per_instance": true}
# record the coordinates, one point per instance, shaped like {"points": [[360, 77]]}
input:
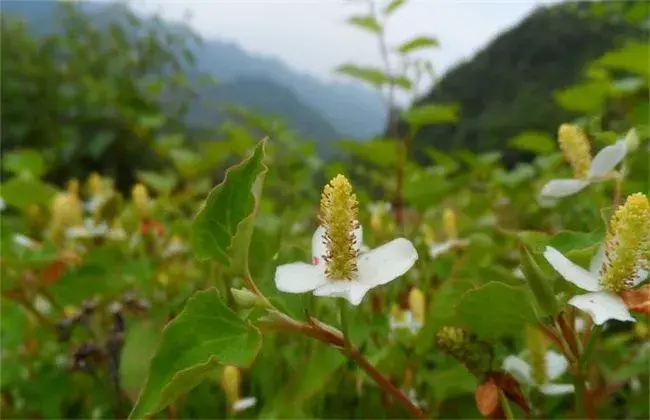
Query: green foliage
{"points": [[496, 309], [225, 220], [205, 334]]}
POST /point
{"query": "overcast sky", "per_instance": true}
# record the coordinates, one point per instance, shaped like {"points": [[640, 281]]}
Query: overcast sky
{"points": [[312, 36]]}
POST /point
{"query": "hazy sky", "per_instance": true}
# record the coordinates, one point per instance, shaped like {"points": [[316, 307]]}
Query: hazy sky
{"points": [[312, 36]]}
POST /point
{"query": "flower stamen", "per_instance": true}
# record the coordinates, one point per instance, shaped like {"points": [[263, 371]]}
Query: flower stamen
{"points": [[628, 243], [577, 151], [338, 215]]}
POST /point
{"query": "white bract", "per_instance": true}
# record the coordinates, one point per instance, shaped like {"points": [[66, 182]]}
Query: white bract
{"points": [[375, 267], [92, 229], [602, 305], [244, 404], [437, 249], [555, 365], [602, 164], [405, 320]]}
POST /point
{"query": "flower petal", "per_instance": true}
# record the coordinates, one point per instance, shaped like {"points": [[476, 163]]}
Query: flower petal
{"points": [[556, 365], [560, 188], [602, 306], [557, 389], [570, 271], [299, 277], [438, 249], [597, 261], [243, 404], [518, 367], [387, 262], [318, 247], [607, 159], [353, 291]]}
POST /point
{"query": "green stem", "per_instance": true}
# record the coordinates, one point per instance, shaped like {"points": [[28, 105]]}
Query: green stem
{"points": [[579, 383], [343, 308], [507, 410]]}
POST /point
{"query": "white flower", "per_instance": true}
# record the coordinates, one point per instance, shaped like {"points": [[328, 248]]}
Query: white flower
{"points": [[175, 247], [91, 229], [405, 320], [244, 404], [24, 241], [602, 164], [555, 365], [375, 267], [602, 305], [437, 249]]}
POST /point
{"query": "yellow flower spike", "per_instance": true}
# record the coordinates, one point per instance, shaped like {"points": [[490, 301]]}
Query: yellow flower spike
{"points": [[449, 224], [338, 215], [417, 304], [429, 235], [537, 346], [628, 243], [73, 187], [231, 383], [577, 151], [94, 184], [140, 197]]}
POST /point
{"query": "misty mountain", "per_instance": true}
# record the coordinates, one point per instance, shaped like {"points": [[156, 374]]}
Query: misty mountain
{"points": [[316, 109]]}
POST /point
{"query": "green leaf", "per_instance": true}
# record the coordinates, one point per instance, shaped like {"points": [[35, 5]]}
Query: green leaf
{"points": [[373, 76], [140, 345], [161, 183], [431, 114], [366, 22], [205, 334], [24, 162], [632, 57], [393, 6], [418, 43], [587, 97], [100, 143], [223, 226], [13, 192], [496, 309], [535, 142]]}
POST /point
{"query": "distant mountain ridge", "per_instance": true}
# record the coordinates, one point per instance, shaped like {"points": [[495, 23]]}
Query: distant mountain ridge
{"points": [[324, 111]]}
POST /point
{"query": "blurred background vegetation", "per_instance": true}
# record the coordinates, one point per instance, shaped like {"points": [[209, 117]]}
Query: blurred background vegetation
{"points": [[94, 88]]}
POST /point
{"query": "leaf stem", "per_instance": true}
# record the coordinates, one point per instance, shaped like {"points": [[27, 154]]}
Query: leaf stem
{"points": [[385, 384], [345, 324], [506, 406]]}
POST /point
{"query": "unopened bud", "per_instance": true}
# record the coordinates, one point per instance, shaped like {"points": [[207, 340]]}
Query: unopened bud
{"points": [[245, 298], [474, 354]]}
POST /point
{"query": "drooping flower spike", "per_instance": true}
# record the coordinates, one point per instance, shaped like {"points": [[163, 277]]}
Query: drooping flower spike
{"points": [[338, 269], [577, 151], [621, 263]]}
